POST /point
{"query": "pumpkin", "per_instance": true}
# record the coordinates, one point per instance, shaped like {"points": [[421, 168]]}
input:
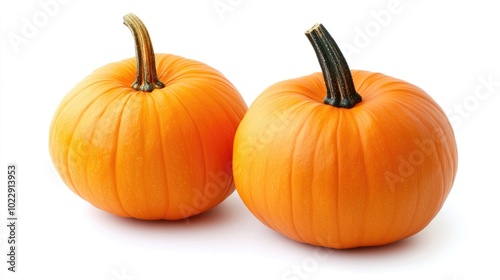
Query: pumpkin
{"points": [[369, 164], [149, 137]]}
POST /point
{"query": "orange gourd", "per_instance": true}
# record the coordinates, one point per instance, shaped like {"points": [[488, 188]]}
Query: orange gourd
{"points": [[149, 137], [370, 164]]}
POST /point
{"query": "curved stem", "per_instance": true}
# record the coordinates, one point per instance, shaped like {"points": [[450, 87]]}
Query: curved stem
{"points": [[146, 78], [340, 90]]}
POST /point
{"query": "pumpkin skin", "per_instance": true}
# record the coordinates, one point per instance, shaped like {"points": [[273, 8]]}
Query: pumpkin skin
{"points": [[164, 154], [343, 178]]}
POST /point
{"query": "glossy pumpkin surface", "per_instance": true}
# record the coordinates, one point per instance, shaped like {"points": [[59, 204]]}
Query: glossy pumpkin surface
{"points": [[340, 177], [163, 152]]}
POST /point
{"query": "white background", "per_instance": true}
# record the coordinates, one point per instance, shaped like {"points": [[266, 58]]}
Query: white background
{"points": [[446, 48]]}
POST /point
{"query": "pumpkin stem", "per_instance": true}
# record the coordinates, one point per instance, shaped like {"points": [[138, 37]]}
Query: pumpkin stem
{"points": [[146, 78], [340, 90]]}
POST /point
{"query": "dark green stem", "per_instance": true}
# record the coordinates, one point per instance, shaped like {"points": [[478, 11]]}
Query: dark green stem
{"points": [[146, 78], [340, 90]]}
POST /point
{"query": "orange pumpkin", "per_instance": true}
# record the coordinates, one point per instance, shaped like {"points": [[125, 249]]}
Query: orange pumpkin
{"points": [[370, 164], [159, 147]]}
